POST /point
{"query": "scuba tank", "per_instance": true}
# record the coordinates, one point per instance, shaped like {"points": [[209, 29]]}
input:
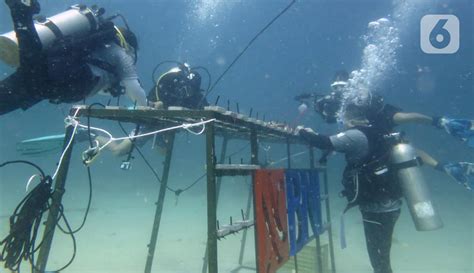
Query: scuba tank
{"points": [[78, 21], [414, 187]]}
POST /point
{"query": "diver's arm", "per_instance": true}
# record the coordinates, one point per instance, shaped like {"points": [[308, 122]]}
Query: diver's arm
{"points": [[126, 72], [134, 91], [314, 139], [404, 118]]}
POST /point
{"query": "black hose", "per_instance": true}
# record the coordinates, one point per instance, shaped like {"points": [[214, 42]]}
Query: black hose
{"points": [[20, 243], [247, 47], [208, 75], [158, 66]]}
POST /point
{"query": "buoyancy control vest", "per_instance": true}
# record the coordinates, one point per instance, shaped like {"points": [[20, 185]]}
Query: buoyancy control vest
{"points": [[373, 179]]}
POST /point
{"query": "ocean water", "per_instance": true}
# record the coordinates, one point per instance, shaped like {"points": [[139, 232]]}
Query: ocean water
{"points": [[378, 42]]}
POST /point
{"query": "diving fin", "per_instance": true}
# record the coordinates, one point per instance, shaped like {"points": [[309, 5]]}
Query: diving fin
{"points": [[470, 142], [460, 128], [40, 145]]}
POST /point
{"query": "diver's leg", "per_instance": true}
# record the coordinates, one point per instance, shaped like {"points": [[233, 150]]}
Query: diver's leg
{"points": [[29, 42], [13, 94], [378, 229]]}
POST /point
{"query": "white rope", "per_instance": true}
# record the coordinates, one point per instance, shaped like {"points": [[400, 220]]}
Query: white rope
{"points": [[31, 180], [69, 121], [196, 133], [185, 126]]}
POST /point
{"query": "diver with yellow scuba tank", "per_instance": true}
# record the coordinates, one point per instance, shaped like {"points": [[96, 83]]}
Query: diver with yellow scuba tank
{"points": [[67, 57]]}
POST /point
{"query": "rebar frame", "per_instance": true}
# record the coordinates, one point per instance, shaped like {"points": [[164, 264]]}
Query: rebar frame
{"points": [[227, 125]]}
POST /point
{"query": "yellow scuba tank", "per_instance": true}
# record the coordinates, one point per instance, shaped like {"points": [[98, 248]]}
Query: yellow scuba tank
{"points": [[415, 188], [77, 21]]}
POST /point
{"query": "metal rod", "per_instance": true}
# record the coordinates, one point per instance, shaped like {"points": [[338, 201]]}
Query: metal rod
{"points": [[217, 100], [318, 239], [254, 160], [211, 199], [288, 155], [238, 108], [59, 188], [254, 146], [250, 114], [244, 235], [328, 217], [159, 204], [218, 189], [288, 152], [221, 161]]}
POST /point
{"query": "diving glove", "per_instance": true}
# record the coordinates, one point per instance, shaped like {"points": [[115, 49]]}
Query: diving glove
{"points": [[462, 172], [302, 130]]}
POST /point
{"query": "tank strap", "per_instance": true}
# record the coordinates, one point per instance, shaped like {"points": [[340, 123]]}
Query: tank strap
{"points": [[415, 162], [52, 26], [92, 20]]}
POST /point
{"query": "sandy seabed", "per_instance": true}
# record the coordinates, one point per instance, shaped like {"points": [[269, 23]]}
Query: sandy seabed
{"points": [[118, 229]]}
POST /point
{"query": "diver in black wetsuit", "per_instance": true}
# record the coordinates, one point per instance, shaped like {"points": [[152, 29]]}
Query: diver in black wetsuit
{"points": [[366, 148], [70, 70], [378, 197]]}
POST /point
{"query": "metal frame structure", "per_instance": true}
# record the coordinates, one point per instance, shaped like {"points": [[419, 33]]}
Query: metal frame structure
{"points": [[226, 124]]}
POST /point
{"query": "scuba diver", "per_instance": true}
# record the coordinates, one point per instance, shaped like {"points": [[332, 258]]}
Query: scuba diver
{"points": [[180, 86], [386, 117], [381, 169], [66, 58], [327, 106]]}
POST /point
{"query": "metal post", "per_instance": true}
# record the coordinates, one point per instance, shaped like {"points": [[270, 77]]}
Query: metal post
{"points": [[59, 188], [288, 154], [318, 239], [254, 160], [218, 189], [221, 161], [328, 217], [244, 235], [211, 199], [160, 202]]}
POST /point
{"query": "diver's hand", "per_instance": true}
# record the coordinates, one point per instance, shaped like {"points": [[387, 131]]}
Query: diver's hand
{"points": [[301, 130], [157, 105], [462, 172]]}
